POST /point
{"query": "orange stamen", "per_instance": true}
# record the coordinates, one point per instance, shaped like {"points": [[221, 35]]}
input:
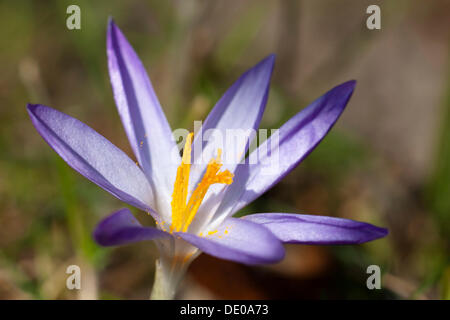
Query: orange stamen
{"points": [[183, 213]]}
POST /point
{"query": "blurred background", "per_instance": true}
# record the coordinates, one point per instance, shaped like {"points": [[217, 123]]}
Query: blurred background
{"points": [[387, 161]]}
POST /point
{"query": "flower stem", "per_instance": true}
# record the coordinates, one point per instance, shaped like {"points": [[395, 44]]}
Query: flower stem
{"points": [[163, 286]]}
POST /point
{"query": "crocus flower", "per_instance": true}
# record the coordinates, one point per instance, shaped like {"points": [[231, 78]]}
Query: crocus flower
{"points": [[193, 202]]}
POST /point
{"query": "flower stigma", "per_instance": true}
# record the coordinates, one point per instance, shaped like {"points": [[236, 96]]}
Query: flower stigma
{"points": [[183, 211]]}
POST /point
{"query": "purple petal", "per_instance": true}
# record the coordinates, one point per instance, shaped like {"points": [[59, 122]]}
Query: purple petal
{"points": [[311, 229], [296, 139], [145, 123], [241, 241], [241, 107], [93, 156], [121, 227]]}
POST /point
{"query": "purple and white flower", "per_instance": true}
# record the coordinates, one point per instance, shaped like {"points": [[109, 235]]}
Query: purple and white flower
{"points": [[193, 204]]}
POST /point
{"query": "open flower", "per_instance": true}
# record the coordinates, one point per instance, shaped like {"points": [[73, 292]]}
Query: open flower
{"points": [[193, 201]]}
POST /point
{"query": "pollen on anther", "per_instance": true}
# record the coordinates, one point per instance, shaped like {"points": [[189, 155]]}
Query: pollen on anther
{"points": [[184, 210]]}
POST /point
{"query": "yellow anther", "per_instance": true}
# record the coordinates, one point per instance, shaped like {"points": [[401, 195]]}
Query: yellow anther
{"points": [[183, 213], [180, 189]]}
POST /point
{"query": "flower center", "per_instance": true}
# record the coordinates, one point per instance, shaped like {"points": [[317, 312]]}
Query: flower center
{"points": [[183, 211]]}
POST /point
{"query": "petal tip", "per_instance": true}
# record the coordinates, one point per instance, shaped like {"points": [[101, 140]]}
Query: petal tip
{"points": [[268, 61], [382, 232], [271, 57], [373, 233], [31, 107], [113, 31], [111, 24], [96, 235], [342, 92], [347, 86], [99, 232], [351, 84]]}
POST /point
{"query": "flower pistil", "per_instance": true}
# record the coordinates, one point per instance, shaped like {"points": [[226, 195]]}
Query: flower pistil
{"points": [[183, 211]]}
